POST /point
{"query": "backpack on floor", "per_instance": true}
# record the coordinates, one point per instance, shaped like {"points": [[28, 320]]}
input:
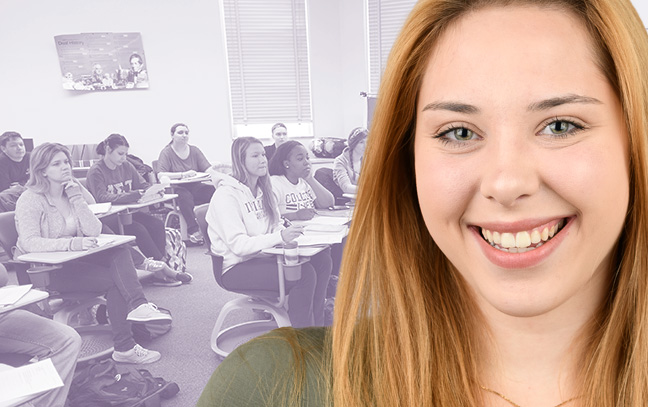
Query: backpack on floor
{"points": [[176, 250], [107, 384], [145, 332]]}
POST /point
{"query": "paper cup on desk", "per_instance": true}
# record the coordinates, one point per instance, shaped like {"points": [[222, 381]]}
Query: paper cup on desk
{"points": [[291, 266]]}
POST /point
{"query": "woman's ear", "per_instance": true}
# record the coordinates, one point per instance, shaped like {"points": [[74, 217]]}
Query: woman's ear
{"points": [[285, 164]]}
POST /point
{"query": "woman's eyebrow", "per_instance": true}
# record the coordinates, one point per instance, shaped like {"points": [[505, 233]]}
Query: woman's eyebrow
{"points": [[456, 107], [562, 100], [459, 107]]}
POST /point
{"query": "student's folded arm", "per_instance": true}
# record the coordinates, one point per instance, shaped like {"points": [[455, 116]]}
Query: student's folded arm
{"points": [[127, 198], [341, 177], [89, 223], [323, 197]]}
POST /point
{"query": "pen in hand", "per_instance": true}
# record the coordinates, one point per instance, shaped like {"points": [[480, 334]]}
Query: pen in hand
{"points": [[288, 224]]}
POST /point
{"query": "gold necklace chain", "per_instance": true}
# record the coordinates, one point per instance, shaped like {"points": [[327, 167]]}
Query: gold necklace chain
{"points": [[517, 405]]}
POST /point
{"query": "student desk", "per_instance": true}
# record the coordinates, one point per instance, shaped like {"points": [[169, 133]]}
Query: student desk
{"points": [[32, 296], [199, 177], [124, 212], [97, 339], [53, 258]]}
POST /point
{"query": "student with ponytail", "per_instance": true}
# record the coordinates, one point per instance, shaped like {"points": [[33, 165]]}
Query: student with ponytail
{"points": [[114, 179], [498, 254]]}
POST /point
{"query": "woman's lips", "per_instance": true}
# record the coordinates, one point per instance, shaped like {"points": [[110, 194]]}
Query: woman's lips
{"points": [[508, 255]]}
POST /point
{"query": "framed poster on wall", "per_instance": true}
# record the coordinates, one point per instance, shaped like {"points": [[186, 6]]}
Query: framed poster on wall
{"points": [[102, 61]]}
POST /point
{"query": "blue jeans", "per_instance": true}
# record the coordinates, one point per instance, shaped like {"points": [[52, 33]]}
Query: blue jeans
{"points": [[306, 299], [26, 333], [109, 272]]}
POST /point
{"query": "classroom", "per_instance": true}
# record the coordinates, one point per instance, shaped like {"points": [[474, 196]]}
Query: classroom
{"points": [[189, 69]]}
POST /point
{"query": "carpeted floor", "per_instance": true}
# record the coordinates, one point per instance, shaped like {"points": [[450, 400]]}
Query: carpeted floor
{"points": [[187, 358]]}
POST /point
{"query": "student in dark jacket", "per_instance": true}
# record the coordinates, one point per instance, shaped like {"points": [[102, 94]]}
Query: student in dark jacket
{"points": [[14, 169], [114, 179]]}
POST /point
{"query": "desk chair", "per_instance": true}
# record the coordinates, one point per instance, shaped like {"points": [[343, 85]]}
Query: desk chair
{"points": [[67, 308], [8, 239], [225, 340]]}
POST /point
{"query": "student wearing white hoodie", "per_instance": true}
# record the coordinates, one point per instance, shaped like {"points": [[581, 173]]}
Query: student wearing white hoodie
{"points": [[243, 219]]}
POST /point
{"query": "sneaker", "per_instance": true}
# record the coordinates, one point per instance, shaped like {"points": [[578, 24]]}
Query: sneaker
{"points": [[150, 264], [147, 312], [138, 355], [196, 238], [165, 282], [184, 277]]}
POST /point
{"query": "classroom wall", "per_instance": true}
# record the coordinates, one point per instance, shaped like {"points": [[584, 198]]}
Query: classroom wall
{"points": [[184, 49], [185, 59]]}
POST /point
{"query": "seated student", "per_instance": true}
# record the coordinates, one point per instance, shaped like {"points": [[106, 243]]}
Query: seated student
{"points": [[53, 215], [243, 220], [180, 160], [23, 332], [346, 166], [280, 136], [14, 169], [114, 179], [298, 193]]}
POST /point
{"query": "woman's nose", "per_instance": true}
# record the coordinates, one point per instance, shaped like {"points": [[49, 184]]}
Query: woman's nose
{"points": [[509, 173]]}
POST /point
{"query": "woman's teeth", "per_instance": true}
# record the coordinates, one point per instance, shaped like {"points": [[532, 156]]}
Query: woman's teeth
{"points": [[522, 241]]}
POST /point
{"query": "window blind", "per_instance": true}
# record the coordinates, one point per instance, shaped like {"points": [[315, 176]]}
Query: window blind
{"points": [[267, 55], [385, 19]]}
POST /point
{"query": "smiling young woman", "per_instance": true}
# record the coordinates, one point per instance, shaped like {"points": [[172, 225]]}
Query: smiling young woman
{"points": [[498, 251]]}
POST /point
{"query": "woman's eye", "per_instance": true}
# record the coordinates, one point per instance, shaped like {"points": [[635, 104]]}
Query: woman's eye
{"points": [[560, 128], [458, 134]]}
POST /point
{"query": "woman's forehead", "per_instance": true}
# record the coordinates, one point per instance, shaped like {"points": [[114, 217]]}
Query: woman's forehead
{"points": [[504, 52]]}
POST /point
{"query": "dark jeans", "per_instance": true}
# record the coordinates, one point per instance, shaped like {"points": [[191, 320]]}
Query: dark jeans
{"points": [[190, 195], [109, 272], [148, 231], [306, 299]]}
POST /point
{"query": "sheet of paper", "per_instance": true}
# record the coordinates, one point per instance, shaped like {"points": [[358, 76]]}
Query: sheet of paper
{"points": [[155, 191], [317, 228], [198, 176], [28, 379], [324, 220], [100, 207], [9, 294], [319, 238]]}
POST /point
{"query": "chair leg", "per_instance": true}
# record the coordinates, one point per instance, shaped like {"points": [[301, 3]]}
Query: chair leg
{"points": [[280, 319]]}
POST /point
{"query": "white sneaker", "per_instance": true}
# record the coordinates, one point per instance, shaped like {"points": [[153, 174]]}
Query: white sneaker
{"points": [[138, 355], [147, 312], [149, 264]]}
